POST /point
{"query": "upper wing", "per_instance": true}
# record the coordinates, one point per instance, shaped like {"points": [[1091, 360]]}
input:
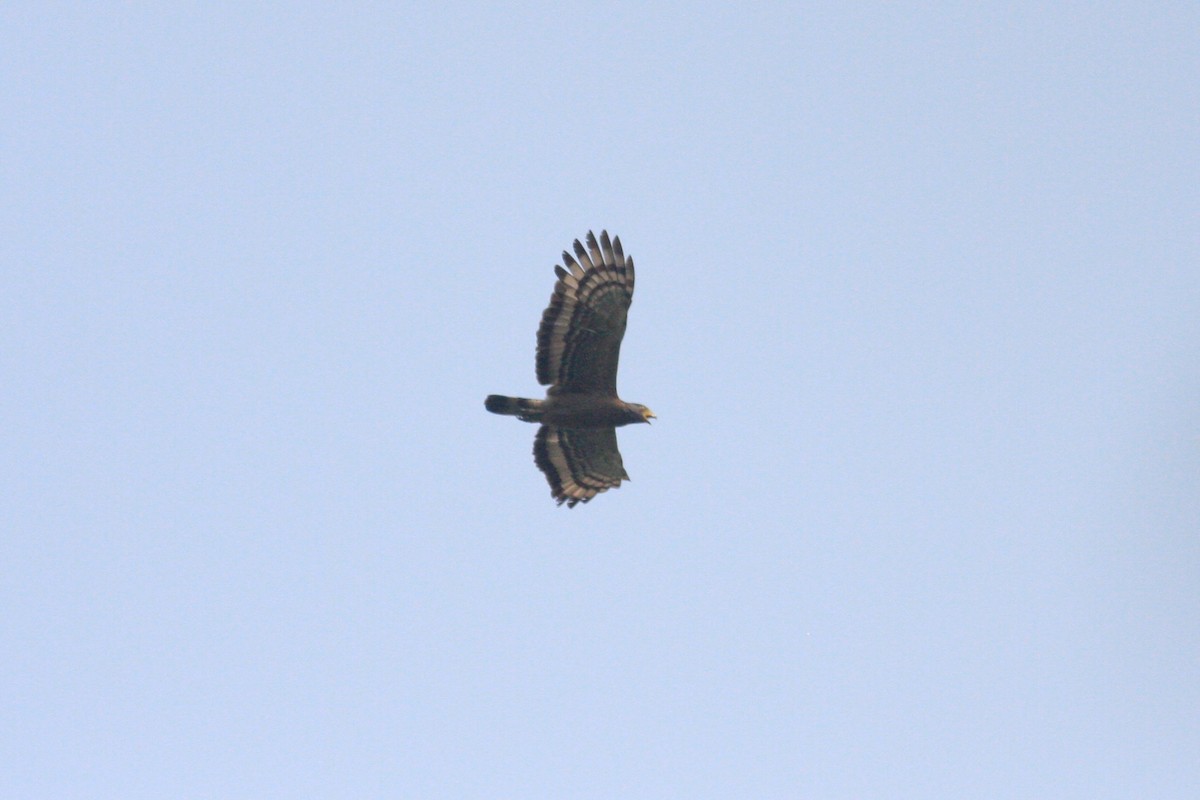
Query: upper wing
{"points": [[579, 341], [579, 463]]}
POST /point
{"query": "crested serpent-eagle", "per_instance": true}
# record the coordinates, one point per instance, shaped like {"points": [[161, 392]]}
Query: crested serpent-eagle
{"points": [[578, 346]]}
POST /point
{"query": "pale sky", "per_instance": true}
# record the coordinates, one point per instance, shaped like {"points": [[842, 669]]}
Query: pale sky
{"points": [[918, 308]]}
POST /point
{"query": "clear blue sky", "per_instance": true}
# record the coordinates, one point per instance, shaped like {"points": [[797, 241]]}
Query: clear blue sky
{"points": [[918, 309]]}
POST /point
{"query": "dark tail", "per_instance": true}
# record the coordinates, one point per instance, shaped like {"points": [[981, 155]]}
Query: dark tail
{"points": [[528, 410]]}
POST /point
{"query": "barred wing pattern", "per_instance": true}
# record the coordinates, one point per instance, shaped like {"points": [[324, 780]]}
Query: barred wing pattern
{"points": [[579, 463], [579, 340]]}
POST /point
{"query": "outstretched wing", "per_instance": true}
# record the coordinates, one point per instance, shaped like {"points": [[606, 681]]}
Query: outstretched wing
{"points": [[579, 463], [579, 341]]}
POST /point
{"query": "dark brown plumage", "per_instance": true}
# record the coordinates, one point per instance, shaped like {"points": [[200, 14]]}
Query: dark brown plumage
{"points": [[578, 349]]}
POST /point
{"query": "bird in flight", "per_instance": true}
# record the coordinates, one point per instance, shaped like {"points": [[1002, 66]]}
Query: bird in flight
{"points": [[578, 347]]}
